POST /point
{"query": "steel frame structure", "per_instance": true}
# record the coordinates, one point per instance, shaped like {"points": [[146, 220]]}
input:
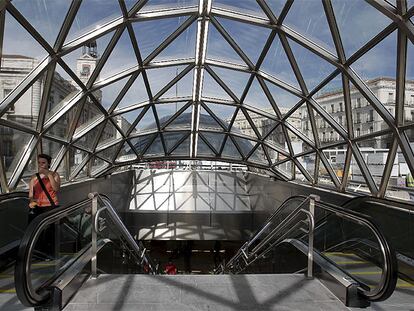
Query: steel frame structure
{"points": [[206, 15]]}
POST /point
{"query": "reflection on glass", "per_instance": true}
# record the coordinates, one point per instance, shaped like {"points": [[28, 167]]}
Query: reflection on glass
{"points": [[59, 243]]}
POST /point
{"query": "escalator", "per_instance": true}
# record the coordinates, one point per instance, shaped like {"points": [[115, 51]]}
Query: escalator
{"points": [[59, 250], [48, 275], [359, 268]]}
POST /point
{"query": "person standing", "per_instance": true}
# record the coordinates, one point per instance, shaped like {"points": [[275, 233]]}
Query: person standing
{"points": [[43, 188]]}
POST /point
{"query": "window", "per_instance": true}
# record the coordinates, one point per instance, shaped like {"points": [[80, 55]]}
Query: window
{"points": [[358, 118], [358, 132], [412, 99], [371, 129], [412, 114], [323, 136], [341, 108], [340, 120], [331, 135], [358, 102], [371, 116], [333, 108], [391, 97]]}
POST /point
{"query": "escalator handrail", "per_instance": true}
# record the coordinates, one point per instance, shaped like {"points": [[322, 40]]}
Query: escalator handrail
{"points": [[390, 271], [14, 195], [24, 290], [390, 264], [138, 249]]}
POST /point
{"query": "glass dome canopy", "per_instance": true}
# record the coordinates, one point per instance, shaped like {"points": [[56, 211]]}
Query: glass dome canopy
{"points": [[316, 91]]}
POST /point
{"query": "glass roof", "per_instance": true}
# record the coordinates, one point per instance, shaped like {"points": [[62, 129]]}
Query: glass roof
{"points": [[321, 92]]}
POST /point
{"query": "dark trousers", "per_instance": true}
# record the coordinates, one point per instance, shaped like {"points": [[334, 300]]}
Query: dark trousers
{"points": [[46, 241]]}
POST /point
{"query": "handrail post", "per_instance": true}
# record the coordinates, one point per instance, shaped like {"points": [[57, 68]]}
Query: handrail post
{"points": [[312, 200], [94, 237]]}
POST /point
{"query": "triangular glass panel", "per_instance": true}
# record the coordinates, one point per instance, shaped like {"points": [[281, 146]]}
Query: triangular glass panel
{"points": [[286, 168], [336, 158], [351, 17], [50, 147], [139, 143], [29, 170], [75, 158], [109, 135], [125, 120], [183, 149], [183, 121], [156, 148], [250, 7], [366, 120], [230, 150], [312, 67], [263, 124], [212, 89], [160, 77], [327, 133], [324, 179], [235, 80], [45, 17], [24, 111], [331, 97], [219, 48], [183, 88], [166, 111], [172, 138], [62, 92], [109, 93], [16, 143], [162, 4], [409, 84], [305, 17], [276, 6], [384, 53], [110, 153], [259, 156], [146, 123], [298, 144], [276, 63], [121, 58], [83, 60], [277, 138], [98, 165], [150, 34], [274, 155], [90, 114], [85, 21], [375, 153], [215, 139], [203, 149], [242, 126], [88, 140], [356, 181], [182, 47], [137, 93], [284, 99], [19, 46], [251, 39], [60, 129], [245, 145], [257, 98], [126, 154], [308, 163], [224, 112]]}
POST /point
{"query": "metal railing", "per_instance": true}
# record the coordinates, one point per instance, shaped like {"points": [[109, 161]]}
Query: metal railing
{"points": [[94, 206], [276, 232]]}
